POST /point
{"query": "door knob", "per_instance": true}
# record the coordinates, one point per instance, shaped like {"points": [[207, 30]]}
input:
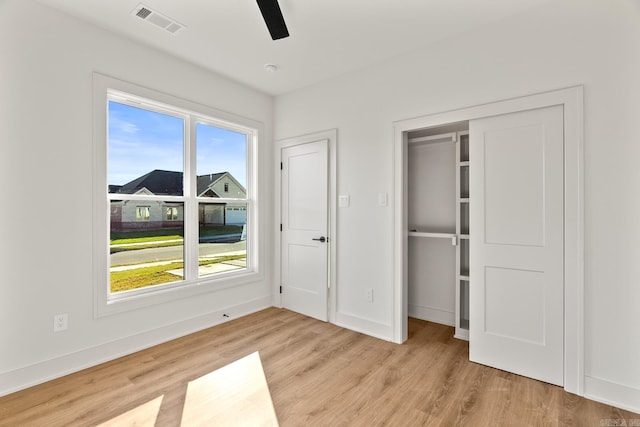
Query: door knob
{"points": [[321, 239]]}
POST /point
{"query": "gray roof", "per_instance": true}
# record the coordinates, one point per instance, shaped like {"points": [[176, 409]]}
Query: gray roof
{"points": [[162, 182], [157, 181], [204, 181]]}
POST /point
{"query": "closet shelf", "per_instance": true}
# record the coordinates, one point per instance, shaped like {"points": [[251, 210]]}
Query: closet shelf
{"points": [[462, 227], [445, 137], [434, 235]]}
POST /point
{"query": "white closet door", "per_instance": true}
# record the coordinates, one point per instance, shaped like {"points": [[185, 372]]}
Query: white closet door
{"points": [[516, 228]]}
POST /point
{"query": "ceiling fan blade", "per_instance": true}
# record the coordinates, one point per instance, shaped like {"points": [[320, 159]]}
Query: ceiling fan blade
{"points": [[273, 18]]}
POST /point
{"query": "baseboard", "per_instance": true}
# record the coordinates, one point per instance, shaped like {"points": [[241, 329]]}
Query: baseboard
{"points": [[38, 373], [432, 315], [365, 326], [614, 394]]}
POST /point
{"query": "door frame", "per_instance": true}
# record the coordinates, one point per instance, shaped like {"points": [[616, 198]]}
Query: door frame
{"points": [[572, 101], [332, 136]]}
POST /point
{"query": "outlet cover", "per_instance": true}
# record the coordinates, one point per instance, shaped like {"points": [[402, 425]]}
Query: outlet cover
{"points": [[60, 322]]}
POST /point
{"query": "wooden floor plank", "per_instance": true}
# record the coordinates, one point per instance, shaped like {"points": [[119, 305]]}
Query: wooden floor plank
{"points": [[318, 374]]}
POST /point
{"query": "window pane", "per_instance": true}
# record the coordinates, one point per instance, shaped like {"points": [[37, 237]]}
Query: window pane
{"points": [[149, 251], [145, 151], [221, 162], [142, 213], [173, 213], [222, 236]]}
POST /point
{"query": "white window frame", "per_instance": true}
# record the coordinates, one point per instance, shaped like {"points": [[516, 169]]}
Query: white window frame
{"points": [[105, 303]]}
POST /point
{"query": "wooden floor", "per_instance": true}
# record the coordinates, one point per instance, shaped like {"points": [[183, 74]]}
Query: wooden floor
{"points": [[318, 375]]}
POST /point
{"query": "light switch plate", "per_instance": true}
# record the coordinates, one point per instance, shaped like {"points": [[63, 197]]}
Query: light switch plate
{"points": [[343, 201]]}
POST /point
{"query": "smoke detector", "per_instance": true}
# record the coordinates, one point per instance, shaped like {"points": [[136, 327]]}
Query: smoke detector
{"points": [[156, 18], [272, 68]]}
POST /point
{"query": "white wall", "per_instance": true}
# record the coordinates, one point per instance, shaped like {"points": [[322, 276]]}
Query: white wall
{"points": [[560, 44], [46, 65]]}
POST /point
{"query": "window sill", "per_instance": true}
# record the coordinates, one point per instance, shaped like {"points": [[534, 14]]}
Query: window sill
{"points": [[107, 305]]}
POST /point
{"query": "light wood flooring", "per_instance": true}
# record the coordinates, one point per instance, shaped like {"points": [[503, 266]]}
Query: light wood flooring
{"points": [[318, 375]]}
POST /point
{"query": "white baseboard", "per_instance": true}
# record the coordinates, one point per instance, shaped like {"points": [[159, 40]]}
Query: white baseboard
{"points": [[614, 394], [38, 373], [432, 315], [365, 326]]}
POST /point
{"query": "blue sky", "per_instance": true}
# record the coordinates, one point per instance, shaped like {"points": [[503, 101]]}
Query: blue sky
{"points": [[141, 141]]}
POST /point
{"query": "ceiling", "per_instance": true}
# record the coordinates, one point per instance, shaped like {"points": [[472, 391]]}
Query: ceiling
{"points": [[328, 37]]}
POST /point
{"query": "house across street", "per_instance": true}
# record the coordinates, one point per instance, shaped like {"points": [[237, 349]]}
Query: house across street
{"points": [[133, 215]]}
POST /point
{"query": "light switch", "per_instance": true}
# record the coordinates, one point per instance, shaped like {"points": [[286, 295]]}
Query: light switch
{"points": [[382, 199], [343, 201]]}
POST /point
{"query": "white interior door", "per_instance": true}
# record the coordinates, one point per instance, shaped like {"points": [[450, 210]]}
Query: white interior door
{"points": [[516, 228], [305, 248]]}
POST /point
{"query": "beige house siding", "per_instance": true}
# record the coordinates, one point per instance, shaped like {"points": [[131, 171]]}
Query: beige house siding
{"points": [[211, 214], [124, 215], [233, 190]]}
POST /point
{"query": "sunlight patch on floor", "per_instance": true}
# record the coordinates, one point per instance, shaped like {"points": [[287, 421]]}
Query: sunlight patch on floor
{"points": [[144, 415], [234, 395]]}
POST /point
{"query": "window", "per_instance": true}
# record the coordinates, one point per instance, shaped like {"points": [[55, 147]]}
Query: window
{"points": [[172, 214], [171, 172], [142, 213]]}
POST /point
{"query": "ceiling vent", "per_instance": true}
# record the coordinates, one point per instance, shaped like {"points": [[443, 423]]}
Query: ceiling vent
{"points": [[156, 18]]}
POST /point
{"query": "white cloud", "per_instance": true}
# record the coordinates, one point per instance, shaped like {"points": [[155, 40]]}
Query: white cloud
{"points": [[122, 125]]}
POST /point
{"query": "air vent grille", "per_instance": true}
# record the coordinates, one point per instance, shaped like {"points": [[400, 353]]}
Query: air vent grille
{"points": [[157, 19], [173, 27], [143, 12]]}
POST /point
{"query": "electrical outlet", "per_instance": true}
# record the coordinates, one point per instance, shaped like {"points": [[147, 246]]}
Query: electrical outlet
{"points": [[60, 322], [370, 295]]}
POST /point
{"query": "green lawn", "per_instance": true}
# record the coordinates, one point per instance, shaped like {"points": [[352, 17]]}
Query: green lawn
{"points": [[143, 236], [155, 275], [164, 238]]}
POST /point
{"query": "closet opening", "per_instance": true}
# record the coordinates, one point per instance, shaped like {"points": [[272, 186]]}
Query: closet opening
{"points": [[509, 226], [437, 189]]}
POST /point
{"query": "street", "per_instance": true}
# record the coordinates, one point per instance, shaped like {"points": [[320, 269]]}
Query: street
{"points": [[172, 253]]}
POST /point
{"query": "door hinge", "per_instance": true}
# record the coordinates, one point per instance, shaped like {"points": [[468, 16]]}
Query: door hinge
{"points": [[281, 166], [280, 289], [280, 227]]}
